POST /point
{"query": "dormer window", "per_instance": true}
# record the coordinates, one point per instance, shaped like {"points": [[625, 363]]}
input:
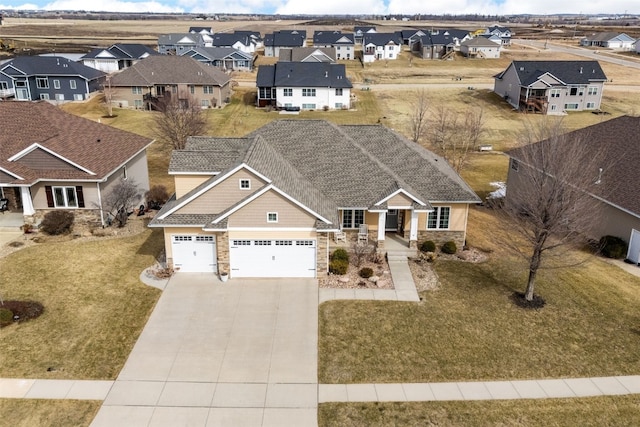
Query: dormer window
{"points": [[245, 184]]}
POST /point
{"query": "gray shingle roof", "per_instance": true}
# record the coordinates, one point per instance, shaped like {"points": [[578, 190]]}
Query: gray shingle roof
{"points": [[213, 53], [326, 167], [303, 74], [51, 66], [169, 69], [123, 51], [381, 39], [619, 138], [332, 37], [570, 72], [308, 54]]}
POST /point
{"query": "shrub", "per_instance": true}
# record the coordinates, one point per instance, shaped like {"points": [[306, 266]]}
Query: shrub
{"points": [[340, 255], [449, 247], [338, 266], [613, 247], [6, 316], [57, 222], [361, 251], [365, 272], [428, 246], [156, 196]]}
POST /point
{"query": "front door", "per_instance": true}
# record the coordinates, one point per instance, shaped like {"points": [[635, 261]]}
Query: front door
{"points": [[392, 220]]}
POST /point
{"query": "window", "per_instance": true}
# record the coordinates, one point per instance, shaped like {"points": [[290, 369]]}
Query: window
{"points": [[338, 105], [439, 218], [591, 105], [352, 218], [136, 90], [580, 91], [555, 93], [4, 85], [137, 103], [265, 93], [56, 84], [573, 91], [592, 90], [44, 96], [573, 106], [72, 84], [308, 92], [192, 89], [204, 102], [42, 83], [59, 96], [65, 197], [308, 106], [514, 165], [207, 89], [272, 216], [287, 91], [339, 91], [554, 107], [245, 184]]}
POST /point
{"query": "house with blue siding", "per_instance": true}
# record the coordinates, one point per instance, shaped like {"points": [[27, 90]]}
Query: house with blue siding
{"points": [[49, 78]]}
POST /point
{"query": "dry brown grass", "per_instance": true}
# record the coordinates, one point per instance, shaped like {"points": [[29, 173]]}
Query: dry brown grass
{"points": [[38, 412]]}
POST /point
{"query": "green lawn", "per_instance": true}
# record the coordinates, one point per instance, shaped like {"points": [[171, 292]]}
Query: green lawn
{"points": [[594, 411]]}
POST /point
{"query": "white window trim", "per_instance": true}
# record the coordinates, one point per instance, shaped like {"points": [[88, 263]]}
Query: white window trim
{"points": [[352, 225], [272, 221], [64, 196], [438, 212], [243, 180]]}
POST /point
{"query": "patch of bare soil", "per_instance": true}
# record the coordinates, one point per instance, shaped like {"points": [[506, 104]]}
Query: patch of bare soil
{"points": [[352, 280]]}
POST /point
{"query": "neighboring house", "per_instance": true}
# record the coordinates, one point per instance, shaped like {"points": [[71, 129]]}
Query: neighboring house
{"points": [[458, 36], [551, 87], [201, 30], [435, 46], [177, 44], [411, 36], [504, 33], [613, 185], [225, 58], [492, 37], [381, 46], [304, 85], [117, 57], [610, 40], [161, 77], [308, 54], [283, 39], [344, 44], [240, 41], [51, 160], [267, 205], [480, 47], [50, 78], [360, 31]]}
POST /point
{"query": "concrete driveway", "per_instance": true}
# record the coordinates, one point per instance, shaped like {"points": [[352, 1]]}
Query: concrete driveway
{"points": [[241, 353]]}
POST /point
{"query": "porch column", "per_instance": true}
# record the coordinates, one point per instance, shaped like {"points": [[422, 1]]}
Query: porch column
{"points": [[413, 230], [27, 203], [382, 224]]}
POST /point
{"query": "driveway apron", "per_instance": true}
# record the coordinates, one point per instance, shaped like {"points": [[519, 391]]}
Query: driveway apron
{"points": [[240, 353]]}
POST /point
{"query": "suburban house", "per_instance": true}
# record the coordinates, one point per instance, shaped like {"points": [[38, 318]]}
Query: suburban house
{"points": [[270, 203], [50, 78], [52, 160], [411, 36], [304, 85], [360, 31], [177, 44], [481, 48], [344, 44], [117, 57], [283, 39], [224, 58], [241, 41], [613, 184], [381, 46], [503, 32], [308, 54], [201, 30], [158, 78], [436, 46], [610, 40], [551, 87]]}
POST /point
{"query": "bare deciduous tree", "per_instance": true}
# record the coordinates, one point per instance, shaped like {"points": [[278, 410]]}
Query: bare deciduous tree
{"points": [[108, 93], [549, 194], [179, 118], [418, 115], [120, 200]]}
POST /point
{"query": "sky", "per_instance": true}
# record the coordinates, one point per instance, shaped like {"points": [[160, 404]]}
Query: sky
{"points": [[357, 7]]}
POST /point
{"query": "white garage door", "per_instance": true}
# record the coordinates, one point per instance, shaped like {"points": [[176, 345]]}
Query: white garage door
{"points": [[194, 254], [633, 254], [272, 258]]}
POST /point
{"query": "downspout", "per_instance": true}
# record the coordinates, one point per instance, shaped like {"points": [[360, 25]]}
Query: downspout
{"points": [[100, 203]]}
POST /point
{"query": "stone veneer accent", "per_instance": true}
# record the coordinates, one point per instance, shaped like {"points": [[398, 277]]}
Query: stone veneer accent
{"points": [[442, 236], [222, 247], [322, 261]]}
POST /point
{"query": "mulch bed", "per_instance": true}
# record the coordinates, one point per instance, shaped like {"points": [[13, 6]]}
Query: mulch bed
{"points": [[518, 299], [22, 311]]}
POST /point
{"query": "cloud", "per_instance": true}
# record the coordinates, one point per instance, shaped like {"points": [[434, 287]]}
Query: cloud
{"points": [[328, 7], [26, 6], [226, 6]]}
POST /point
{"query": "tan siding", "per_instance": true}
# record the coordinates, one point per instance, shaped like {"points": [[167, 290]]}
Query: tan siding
{"points": [[224, 194], [399, 200], [40, 159], [186, 183], [255, 213], [457, 218], [371, 219], [270, 235]]}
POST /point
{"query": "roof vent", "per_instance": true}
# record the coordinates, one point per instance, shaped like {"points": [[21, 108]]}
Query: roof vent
{"points": [[580, 70], [521, 68], [326, 74]]}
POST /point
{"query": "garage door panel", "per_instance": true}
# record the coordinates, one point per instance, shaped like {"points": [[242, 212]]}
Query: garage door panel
{"points": [[194, 253], [273, 258]]}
